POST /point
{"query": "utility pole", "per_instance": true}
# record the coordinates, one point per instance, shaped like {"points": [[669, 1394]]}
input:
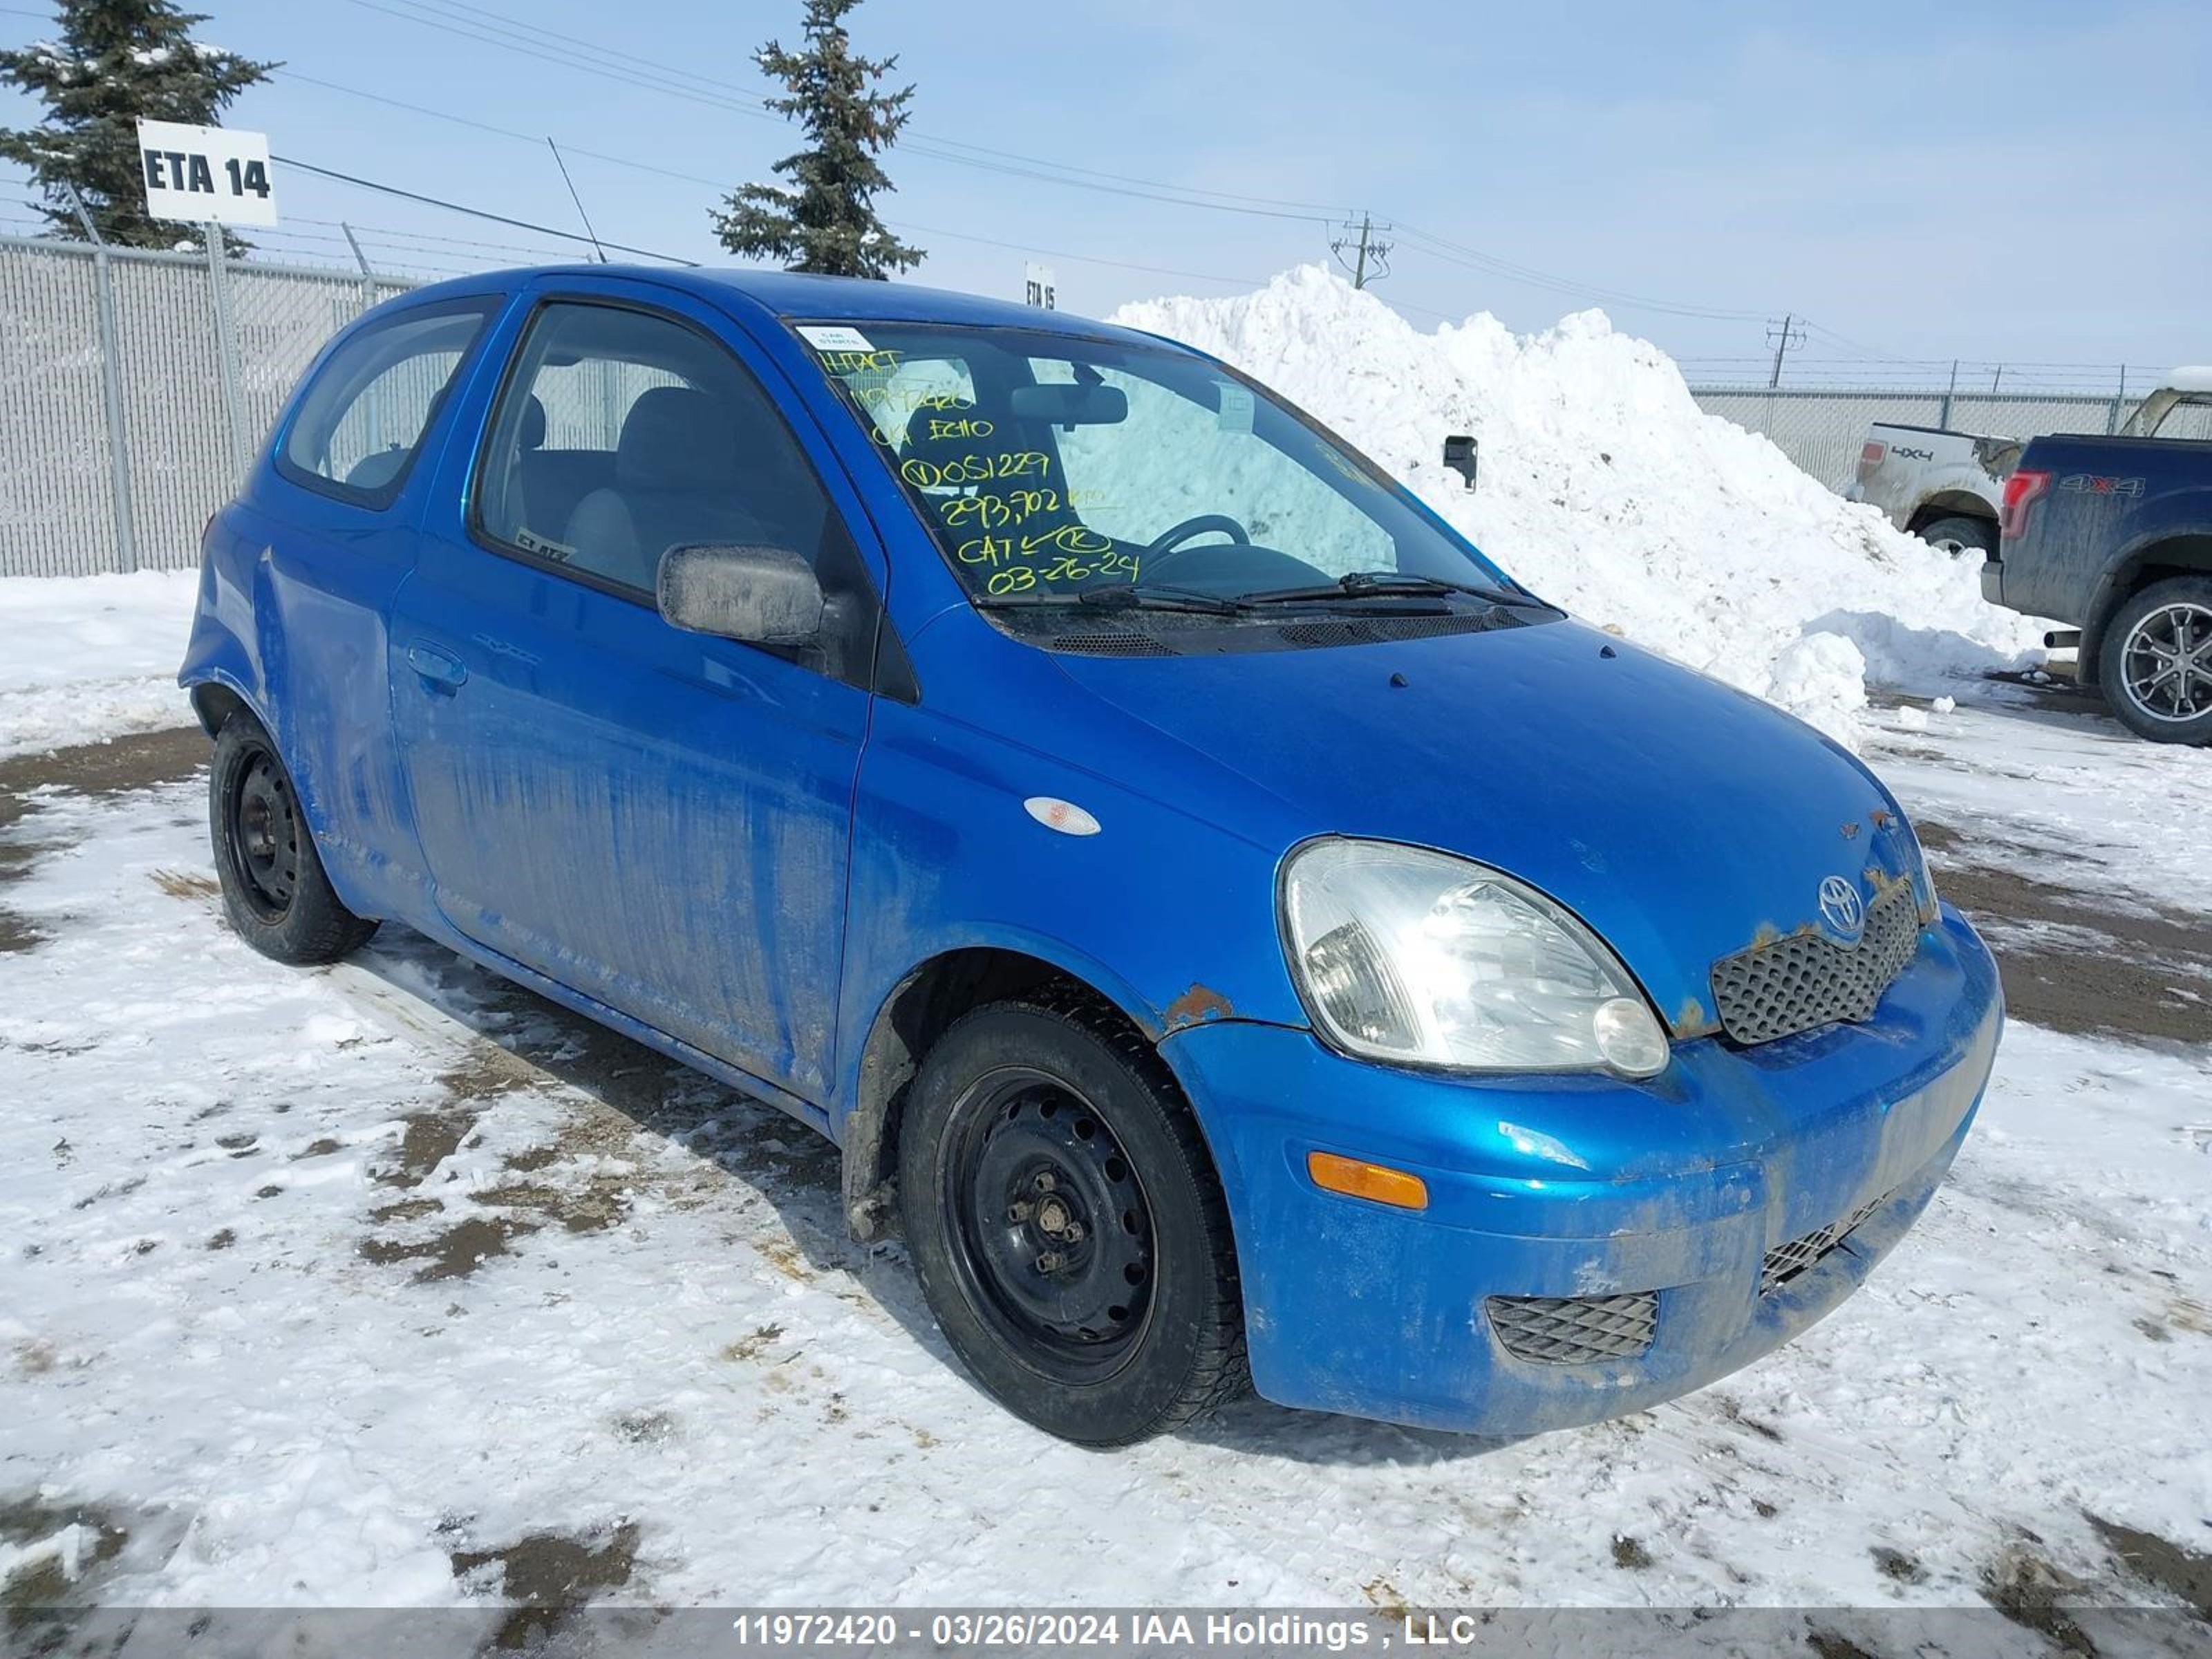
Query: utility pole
{"points": [[1782, 336], [1367, 250]]}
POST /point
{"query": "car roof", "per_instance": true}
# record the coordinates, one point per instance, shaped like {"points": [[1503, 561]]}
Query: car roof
{"points": [[791, 296]]}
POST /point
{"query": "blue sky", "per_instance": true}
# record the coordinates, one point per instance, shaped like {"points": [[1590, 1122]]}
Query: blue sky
{"points": [[2021, 182]]}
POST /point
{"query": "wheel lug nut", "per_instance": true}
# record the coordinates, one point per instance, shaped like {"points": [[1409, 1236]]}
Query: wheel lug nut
{"points": [[1050, 1262], [1044, 1182], [1073, 1233], [1021, 1211]]}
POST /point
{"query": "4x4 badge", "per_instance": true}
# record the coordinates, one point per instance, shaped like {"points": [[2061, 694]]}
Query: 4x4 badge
{"points": [[1842, 906]]}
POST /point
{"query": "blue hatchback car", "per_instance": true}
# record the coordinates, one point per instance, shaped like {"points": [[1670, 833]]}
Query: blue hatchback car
{"points": [[1232, 928]]}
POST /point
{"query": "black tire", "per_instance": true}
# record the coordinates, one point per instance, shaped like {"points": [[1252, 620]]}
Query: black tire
{"points": [[274, 891], [1132, 1224], [2144, 637], [1960, 535]]}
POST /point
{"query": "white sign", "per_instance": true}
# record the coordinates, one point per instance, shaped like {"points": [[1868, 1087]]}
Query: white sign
{"points": [[838, 338], [209, 175], [1038, 285]]}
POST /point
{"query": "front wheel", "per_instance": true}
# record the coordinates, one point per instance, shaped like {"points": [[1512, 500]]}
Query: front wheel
{"points": [[274, 890], [1067, 1225], [2155, 664]]}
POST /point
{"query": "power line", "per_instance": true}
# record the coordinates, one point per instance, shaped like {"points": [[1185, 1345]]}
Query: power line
{"points": [[487, 26], [456, 14], [1475, 258], [480, 213]]}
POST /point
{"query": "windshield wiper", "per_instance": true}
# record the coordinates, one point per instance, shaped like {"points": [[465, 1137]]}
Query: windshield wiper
{"points": [[1391, 584], [1121, 598]]}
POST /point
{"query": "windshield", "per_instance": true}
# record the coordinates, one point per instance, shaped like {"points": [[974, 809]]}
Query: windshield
{"points": [[1047, 467]]}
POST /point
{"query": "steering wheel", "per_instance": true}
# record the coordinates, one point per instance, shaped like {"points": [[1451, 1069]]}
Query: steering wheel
{"points": [[1176, 535]]}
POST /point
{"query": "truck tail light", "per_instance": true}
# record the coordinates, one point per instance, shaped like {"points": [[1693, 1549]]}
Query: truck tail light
{"points": [[2022, 491], [1870, 454]]}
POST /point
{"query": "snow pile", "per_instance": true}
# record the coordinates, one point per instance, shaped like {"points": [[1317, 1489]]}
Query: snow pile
{"points": [[1606, 489], [89, 657]]}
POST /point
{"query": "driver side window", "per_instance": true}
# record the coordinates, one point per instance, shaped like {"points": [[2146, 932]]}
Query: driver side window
{"points": [[622, 433], [1175, 459]]}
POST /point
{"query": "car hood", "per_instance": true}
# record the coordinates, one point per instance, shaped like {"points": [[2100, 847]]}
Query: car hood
{"points": [[1680, 819]]}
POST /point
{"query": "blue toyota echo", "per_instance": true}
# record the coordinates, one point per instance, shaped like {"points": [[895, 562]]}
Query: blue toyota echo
{"points": [[1235, 931]]}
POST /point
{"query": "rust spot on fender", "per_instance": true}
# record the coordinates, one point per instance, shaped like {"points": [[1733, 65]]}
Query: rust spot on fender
{"points": [[1881, 819], [1689, 1020], [1851, 832], [1196, 1006]]}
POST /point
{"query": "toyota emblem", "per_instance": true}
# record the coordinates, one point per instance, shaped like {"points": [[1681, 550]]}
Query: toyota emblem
{"points": [[1842, 906]]}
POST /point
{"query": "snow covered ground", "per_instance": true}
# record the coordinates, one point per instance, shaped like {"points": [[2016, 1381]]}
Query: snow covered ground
{"points": [[83, 658], [359, 1286]]}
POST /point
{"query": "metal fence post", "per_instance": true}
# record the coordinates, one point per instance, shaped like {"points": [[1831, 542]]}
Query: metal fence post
{"points": [[111, 385], [226, 348], [2120, 396], [1949, 392], [368, 276]]}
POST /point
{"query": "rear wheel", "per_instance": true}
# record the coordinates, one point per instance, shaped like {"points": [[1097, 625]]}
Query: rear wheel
{"points": [[274, 890], [1067, 1225], [2156, 663], [1960, 535]]}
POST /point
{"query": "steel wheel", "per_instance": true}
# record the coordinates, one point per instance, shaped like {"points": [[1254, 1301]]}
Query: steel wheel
{"points": [[1051, 1229], [263, 829], [2166, 662]]}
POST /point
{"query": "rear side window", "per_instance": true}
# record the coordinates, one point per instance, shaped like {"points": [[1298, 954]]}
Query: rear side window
{"points": [[357, 429]]}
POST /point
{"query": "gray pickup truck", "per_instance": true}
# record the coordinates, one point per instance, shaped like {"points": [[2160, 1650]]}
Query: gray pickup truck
{"points": [[1940, 485], [2113, 535]]}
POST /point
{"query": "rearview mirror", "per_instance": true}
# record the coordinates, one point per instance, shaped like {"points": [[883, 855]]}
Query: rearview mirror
{"points": [[757, 595], [1460, 456], [1061, 402]]}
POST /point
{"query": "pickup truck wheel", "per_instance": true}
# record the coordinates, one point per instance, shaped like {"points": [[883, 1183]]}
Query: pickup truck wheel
{"points": [[1067, 1224], [274, 891], [2156, 665], [1959, 536]]}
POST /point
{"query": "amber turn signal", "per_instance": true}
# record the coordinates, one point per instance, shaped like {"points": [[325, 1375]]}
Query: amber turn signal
{"points": [[1358, 1179]]}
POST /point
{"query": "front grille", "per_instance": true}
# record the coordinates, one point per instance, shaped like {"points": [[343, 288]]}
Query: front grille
{"points": [[1785, 1262], [1808, 980], [1575, 1330]]}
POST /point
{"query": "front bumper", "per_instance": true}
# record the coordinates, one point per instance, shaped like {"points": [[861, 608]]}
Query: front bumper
{"points": [[1579, 1186]]}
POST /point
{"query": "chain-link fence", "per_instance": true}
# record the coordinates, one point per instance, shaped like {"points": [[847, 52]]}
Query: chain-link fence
{"points": [[1821, 430], [133, 387]]}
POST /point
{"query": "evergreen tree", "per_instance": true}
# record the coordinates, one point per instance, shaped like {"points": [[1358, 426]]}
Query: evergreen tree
{"points": [[116, 61], [828, 223]]}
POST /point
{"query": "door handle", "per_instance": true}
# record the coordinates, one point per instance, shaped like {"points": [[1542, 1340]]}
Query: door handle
{"points": [[439, 667]]}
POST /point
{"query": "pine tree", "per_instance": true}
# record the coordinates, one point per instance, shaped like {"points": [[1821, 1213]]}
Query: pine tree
{"points": [[828, 223], [116, 61]]}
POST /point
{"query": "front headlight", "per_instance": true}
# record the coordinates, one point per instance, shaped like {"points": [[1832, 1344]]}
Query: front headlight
{"points": [[1414, 956]]}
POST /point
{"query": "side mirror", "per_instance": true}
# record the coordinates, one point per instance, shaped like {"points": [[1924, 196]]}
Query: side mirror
{"points": [[755, 595], [1460, 456]]}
